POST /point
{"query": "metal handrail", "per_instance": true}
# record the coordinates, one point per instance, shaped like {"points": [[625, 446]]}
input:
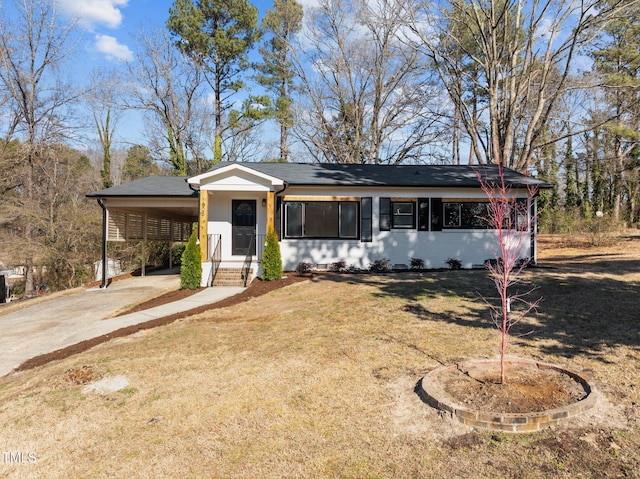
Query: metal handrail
{"points": [[215, 256], [246, 267]]}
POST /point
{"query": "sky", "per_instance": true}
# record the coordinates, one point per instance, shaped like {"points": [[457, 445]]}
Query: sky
{"points": [[108, 30], [110, 24]]}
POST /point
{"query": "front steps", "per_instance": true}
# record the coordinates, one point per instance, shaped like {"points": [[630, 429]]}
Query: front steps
{"points": [[231, 277]]}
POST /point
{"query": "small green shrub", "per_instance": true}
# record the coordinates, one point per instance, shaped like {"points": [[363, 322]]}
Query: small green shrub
{"points": [[416, 264], [271, 259], [191, 266], [454, 263], [304, 267]]}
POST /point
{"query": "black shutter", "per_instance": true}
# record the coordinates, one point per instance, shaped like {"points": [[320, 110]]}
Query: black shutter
{"points": [[277, 217], [385, 214], [436, 214], [423, 214], [366, 215]]}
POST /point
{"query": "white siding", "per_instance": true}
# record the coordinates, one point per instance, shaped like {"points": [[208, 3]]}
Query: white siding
{"points": [[472, 247]]}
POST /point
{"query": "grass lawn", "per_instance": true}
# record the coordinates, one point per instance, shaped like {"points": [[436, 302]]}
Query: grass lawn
{"points": [[317, 380]]}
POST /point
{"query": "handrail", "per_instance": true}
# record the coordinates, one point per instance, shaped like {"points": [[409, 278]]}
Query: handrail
{"points": [[215, 256], [248, 259]]}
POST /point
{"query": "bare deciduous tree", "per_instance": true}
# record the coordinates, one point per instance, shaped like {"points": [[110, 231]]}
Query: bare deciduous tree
{"points": [[102, 99], [168, 87], [518, 62], [512, 221], [34, 44], [367, 97]]}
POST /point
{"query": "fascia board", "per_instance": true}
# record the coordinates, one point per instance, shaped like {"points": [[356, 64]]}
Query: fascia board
{"points": [[210, 176]]}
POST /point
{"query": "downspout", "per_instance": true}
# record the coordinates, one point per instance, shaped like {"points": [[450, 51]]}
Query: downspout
{"points": [[104, 242], [285, 185]]}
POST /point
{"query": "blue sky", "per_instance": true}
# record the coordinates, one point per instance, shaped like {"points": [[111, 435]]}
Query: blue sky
{"points": [[110, 24], [108, 29]]}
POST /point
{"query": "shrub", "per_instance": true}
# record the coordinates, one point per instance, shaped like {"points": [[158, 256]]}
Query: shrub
{"points": [[379, 266], [417, 263], [337, 267], [493, 262], [454, 263], [176, 253], [191, 265], [304, 267], [271, 259]]}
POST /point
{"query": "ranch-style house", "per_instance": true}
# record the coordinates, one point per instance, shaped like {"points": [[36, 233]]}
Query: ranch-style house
{"points": [[323, 214]]}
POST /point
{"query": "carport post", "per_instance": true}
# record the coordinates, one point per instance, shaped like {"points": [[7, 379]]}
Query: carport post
{"points": [[144, 242], [104, 242]]}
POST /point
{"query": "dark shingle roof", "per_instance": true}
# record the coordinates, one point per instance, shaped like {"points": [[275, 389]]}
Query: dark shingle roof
{"points": [[153, 186], [309, 174], [317, 174]]}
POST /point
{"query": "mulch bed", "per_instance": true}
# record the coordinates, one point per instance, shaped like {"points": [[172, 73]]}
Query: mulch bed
{"points": [[255, 289]]}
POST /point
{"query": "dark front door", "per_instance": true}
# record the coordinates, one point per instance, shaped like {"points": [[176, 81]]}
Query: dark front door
{"points": [[243, 226]]}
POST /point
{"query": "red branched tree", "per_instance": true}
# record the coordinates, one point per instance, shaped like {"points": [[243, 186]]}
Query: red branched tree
{"points": [[512, 219]]}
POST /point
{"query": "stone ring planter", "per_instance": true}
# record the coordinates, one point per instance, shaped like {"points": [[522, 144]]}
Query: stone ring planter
{"points": [[434, 393]]}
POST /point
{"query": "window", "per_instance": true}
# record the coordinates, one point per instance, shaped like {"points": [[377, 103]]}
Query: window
{"points": [[403, 214], [452, 215], [398, 213], [474, 215], [466, 215], [321, 219]]}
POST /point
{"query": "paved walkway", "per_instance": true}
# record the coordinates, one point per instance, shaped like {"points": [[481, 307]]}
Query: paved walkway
{"points": [[51, 324]]}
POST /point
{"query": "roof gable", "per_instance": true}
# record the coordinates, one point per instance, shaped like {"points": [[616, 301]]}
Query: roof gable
{"points": [[233, 176]]}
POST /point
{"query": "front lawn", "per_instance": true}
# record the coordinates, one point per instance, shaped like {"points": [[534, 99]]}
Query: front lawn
{"points": [[317, 380]]}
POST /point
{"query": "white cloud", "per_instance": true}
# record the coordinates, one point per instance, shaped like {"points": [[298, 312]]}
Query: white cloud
{"points": [[112, 50], [94, 12]]}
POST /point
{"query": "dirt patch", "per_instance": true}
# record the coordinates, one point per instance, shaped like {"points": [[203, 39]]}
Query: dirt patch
{"points": [[526, 389], [255, 289]]}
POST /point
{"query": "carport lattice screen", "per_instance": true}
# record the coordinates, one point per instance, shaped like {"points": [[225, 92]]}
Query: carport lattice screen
{"points": [[123, 226]]}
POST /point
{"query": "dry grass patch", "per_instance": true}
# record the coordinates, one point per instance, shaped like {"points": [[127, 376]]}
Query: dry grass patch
{"points": [[317, 380]]}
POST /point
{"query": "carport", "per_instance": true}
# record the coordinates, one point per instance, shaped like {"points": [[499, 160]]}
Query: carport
{"points": [[157, 208]]}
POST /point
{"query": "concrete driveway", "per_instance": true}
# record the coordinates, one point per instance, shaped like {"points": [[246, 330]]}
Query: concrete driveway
{"points": [[49, 324]]}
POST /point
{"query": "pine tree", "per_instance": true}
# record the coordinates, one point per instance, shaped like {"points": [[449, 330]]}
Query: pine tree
{"points": [[276, 72], [217, 34], [571, 191]]}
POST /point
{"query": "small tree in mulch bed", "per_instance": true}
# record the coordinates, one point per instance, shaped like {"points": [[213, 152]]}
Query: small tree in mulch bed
{"points": [[191, 265], [271, 258], [511, 219]]}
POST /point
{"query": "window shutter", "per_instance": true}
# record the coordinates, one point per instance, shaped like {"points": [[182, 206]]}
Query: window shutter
{"points": [[423, 214], [436, 214], [277, 218], [385, 214], [366, 215]]}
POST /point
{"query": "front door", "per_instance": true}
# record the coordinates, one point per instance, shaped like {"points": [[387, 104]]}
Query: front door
{"points": [[243, 226]]}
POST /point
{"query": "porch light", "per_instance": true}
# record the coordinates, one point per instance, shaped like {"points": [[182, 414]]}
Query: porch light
{"points": [[264, 202]]}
